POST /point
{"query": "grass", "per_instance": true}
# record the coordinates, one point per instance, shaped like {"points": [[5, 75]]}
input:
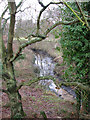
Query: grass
{"points": [[33, 98], [51, 98]]}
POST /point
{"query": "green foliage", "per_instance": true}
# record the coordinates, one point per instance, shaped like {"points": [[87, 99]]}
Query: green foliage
{"points": [[58, 48], [75, 46], [0, 68], [56, 33], [44, 115]]}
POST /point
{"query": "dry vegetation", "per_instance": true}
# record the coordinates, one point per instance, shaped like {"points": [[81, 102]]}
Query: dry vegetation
{"points": [[35, 98]]}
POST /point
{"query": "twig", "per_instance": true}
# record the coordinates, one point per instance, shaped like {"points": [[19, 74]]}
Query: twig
{"points": [[73, 12], [79, 85], [87, 25], [42, 10]]}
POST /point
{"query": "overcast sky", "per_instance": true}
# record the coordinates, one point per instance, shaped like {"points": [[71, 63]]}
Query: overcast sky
{"points": [[28, 13], [34, 8]]}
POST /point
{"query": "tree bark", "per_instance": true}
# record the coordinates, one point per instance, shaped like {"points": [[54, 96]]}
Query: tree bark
{"points": [[13, 94], [8, 69]]}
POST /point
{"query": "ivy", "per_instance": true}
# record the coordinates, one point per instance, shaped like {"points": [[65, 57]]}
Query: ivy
{"points": [[75, 47]]}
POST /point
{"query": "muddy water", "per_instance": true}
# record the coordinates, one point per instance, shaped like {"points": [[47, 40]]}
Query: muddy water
{"points": [[44, 63]]}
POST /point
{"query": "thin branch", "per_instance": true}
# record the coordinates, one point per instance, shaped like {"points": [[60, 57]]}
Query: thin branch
{"points": [[23, 9], [19, 4], [79, 13], [33, 40], [87, 25], [79, 85], [38, 38], [5, 91], [33, 35], [4, 12], [42, 5], [5, 23], [42, 10], [73, 12], [35, 80], [1, 31], [60, 23]]}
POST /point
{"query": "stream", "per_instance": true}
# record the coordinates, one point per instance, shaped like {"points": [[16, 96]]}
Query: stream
{"points": [[44, 66]]}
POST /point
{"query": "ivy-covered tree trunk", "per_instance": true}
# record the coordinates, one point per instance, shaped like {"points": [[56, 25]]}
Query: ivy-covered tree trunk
{"points": [[8, 68]]}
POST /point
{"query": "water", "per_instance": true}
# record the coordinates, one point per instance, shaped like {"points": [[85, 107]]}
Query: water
{"points": [[46, 65]]}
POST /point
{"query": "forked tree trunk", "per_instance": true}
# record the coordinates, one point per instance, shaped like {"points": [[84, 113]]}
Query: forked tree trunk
{"points": [[8, 68]]}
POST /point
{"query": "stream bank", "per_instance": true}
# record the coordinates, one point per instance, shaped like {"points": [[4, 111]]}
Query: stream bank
{"points": [[44, 65]]}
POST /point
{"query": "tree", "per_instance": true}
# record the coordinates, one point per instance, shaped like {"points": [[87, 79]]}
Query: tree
{"points": [[24, 27], [8, 55], [75, 46]]}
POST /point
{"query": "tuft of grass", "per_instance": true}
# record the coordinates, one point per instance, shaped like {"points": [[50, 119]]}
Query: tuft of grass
{"points": [[63, 110], [51, 98], [33, 98]]}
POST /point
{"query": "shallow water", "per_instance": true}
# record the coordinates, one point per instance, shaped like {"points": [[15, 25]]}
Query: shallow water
{"points": [[46, 66]]}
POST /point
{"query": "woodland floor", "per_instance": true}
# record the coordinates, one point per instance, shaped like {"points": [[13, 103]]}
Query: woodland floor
{"points": [[35, 98]]}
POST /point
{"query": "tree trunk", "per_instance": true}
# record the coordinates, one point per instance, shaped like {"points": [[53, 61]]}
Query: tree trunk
{"points": [[8, 68], [14, 96]]}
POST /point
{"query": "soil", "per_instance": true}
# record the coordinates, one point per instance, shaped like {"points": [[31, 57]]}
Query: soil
{"points": [[35, 98]]}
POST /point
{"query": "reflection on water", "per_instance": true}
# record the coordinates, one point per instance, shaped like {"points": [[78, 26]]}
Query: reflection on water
{"points": [[46, 65]]}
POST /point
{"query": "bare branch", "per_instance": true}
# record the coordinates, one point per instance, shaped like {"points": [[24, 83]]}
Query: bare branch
{"points": [[42, 5], [33, 40], [38, 38], [19, 4], [1, 32], [87, 25], [42, 10], [79, 85], [4, 12], [5, 23], [73, 12], [79, 13], [60, 23], [35, 80], [23, 9]]}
